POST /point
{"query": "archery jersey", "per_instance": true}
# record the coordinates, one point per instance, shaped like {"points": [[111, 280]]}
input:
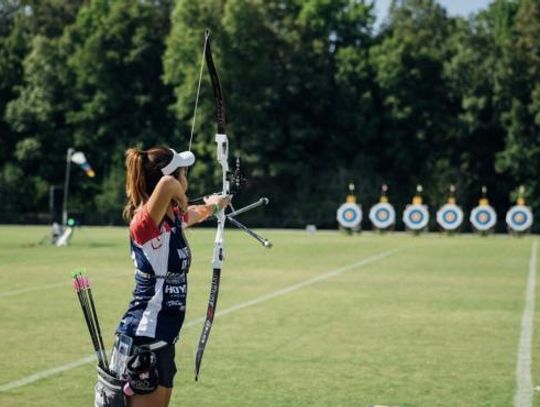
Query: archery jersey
{"points": [[162, 259]]}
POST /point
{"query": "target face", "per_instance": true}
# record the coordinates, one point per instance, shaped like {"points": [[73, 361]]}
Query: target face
{"points": [[483, 218], [382, 215], [519, 218], [416, 217], [450, 217], [349, 215]]}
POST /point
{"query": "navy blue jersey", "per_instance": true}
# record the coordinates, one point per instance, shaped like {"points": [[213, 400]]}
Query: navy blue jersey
{"points": [[162, 258]]}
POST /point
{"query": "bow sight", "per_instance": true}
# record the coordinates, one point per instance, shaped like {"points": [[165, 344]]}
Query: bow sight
{"points": [[236, 178]]}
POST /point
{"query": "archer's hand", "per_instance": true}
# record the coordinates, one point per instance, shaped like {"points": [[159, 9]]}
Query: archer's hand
{"points": [[219, 200]]}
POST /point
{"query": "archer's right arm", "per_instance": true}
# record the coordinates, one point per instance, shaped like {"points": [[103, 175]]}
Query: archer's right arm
{"points": [[167, 190]]}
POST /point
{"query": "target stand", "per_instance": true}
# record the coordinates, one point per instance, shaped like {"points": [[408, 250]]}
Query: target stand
{"points": [[519, 219], [483, 219], [416, 217], [382, 216], [450, 217], [349, 216]]}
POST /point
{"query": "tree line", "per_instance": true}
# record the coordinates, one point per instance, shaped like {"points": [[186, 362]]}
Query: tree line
{"points": [[317, 96]]}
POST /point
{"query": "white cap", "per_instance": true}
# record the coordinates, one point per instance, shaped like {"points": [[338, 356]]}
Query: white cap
{"points": [[183, 159]]}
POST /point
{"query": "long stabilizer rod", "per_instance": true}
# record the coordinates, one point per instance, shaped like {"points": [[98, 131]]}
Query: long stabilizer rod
{"points": [[260, 202]]}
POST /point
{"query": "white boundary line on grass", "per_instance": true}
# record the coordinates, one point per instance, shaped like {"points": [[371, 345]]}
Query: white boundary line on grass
{"points": [[59, 369], [524, 391], [56, 285], [30, 289]]}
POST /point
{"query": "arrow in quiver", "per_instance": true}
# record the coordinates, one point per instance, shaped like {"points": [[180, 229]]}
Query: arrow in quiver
{"points": [[450, 216], [416, 215], [349, 214], [382, 214], [519, 217], [483, 217]]}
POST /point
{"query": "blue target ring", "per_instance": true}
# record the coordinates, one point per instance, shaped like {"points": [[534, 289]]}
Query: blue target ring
{"points": [[450, 217], [382, 215], [349, 215], [416, 217], [519, 218], [483, 218]]}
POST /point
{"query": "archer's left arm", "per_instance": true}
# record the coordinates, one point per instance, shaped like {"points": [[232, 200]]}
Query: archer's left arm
{"points": [[199, 213]]}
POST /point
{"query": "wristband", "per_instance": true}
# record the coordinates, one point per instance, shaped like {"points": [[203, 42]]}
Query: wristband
{"points": [[215, 209]]}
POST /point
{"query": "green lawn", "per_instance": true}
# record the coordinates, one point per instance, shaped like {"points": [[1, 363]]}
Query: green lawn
{"points": [[424, 321]]}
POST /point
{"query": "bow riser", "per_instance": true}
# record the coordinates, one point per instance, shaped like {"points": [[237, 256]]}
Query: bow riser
{"points": [[217, 259], [223, 159]]}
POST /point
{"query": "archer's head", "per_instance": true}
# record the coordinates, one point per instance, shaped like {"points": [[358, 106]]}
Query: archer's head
{"points": [[146, 167]]}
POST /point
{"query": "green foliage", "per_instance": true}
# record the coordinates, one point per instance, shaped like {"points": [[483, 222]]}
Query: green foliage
{"points": [[521, 118], [109, 202], [416, 103], [97, 87], [281, 96], [316, 95]]}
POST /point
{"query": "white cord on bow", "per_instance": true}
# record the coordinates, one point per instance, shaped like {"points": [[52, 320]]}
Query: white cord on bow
{"points": [[198, 93]]}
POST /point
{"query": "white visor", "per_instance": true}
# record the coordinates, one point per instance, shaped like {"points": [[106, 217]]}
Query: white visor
{"points": [[183, 159]]}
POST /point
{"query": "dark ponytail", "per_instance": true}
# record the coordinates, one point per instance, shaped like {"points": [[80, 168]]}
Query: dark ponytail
{"points": [[143, 173]]}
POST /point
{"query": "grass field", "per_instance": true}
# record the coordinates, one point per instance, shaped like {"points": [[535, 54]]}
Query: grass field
{"points": [[318, 321]]}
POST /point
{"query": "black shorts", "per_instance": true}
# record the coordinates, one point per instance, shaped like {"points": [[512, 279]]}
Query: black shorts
{"points": [[165, 361]]}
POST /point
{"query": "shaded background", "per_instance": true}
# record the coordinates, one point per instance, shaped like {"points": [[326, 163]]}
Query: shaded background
{"points": [[318, 94]]}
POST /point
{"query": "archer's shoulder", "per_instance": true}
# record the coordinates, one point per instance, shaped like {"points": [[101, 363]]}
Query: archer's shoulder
{"points": [[142, 227]]}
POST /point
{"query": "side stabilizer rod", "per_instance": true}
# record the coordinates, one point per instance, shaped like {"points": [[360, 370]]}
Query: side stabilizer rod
{"points": [[265, 242]]}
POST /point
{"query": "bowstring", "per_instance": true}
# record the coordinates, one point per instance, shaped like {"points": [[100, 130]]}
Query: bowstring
{"points": [[198, 93], [197, 102]]}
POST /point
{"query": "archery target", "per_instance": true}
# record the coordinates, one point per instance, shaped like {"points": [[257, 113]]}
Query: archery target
{"points": [[416, 217], [450, 217], [519, 218], [382, 215], [349, 215], [483, 218]]}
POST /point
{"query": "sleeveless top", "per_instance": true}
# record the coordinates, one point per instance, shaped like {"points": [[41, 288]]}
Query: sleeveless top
{"points": [[162, 258]]}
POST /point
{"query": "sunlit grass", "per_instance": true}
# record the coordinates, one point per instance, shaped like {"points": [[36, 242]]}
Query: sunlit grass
{"points": [[435, 323]]}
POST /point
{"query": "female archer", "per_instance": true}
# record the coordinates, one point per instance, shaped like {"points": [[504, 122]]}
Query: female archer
{"points": [[157, 211]]}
